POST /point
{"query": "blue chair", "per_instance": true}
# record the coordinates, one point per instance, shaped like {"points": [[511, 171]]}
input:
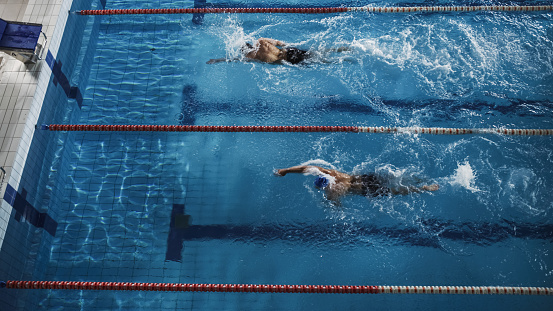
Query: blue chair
{"points": [[20, 40]]}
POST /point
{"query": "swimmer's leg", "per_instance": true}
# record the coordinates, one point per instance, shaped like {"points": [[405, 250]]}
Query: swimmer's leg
{"points": [[344, 49], [324, 55], [215, 61], [338, 49], [432, 187], [404, 190]]}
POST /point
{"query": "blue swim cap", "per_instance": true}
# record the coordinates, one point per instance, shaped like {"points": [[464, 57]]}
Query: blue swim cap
{"points": [[321, 182]]}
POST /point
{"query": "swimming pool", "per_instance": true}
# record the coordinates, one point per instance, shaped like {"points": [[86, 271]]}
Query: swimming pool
{"points": [[121, 200]]}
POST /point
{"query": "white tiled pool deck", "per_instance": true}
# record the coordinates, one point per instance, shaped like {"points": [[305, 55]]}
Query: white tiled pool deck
{"points": [[22, 90]]}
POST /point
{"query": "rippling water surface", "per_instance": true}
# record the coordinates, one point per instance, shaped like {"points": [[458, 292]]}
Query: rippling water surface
{"points": [[489, 223]]}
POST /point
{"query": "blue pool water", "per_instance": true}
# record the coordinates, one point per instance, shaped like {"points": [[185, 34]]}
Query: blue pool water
{"points": [[122, 200]]}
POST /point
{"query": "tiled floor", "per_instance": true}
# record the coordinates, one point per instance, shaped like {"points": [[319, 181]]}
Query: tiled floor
{"points": [[13, 9], [21, 92]]}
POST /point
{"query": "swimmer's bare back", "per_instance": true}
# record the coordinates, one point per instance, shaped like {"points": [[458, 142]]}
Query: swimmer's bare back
{"points": [[265, 50]]}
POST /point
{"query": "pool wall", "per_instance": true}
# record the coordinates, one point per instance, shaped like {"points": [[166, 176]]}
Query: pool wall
{"points": [[27, 214]]}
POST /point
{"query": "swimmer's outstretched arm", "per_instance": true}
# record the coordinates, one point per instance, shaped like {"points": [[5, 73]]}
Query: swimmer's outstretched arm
{"points": [[293, 169], [301, 169], [220, 60], [215, 61]]}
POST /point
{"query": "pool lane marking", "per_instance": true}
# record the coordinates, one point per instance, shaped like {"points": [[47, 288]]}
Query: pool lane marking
{"points": [[296, 129]]}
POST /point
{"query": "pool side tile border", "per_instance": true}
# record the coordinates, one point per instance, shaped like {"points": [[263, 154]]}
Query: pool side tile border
{"points": [[30, 97]]}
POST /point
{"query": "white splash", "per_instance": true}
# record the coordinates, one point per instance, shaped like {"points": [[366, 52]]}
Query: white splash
{"points": [[233, 35], [464, 176], [319, 162]]}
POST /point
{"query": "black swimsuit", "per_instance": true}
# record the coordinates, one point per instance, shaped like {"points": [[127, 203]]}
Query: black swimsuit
{"points": [[295, 56], [372, 186]]}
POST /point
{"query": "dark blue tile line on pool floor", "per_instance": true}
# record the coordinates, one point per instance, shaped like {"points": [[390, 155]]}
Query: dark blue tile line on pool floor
{"points": [[61, 79], [24, 209], [198, 18], [177, 232], [192, 106], [349, 234]]}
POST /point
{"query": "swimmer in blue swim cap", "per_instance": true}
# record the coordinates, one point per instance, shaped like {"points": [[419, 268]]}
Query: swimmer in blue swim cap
{"points": [[321, 182], [368, 185]]}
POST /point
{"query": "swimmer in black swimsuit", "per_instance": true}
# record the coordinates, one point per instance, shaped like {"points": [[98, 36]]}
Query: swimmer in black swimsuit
{"points": [[295, 56], [273, 51], [337, 184], [371, 185]]}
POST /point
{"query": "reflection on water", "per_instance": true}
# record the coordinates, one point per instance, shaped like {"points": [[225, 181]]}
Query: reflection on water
{"points": [[470, 70]]}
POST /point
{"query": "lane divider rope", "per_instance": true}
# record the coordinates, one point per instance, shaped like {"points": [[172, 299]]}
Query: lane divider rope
{"points": [[425, 9], [307, 129], [263, 288]]}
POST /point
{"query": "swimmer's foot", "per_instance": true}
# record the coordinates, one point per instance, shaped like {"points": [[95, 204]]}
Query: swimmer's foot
{"points": [[338, 49], [215, 61], [432, 187]]}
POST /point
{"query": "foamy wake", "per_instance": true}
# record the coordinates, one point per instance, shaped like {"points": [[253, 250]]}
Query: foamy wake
{"points": [[393, 50]]}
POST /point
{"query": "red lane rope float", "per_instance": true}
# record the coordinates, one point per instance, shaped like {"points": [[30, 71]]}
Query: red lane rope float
{"points": [[296, 129], [436, 9], [264, 288], [214, 10], [200, 128], [187, 287]]}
